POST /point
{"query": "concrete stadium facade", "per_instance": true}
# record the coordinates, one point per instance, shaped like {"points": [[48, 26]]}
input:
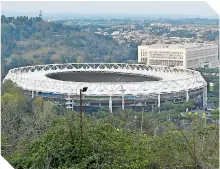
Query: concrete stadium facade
{"points": [[110, 85]]}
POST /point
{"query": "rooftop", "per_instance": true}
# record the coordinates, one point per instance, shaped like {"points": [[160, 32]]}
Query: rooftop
{"points": [[177, 46]]}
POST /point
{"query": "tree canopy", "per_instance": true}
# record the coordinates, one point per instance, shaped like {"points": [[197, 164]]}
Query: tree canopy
{"points": [[39, 134]]}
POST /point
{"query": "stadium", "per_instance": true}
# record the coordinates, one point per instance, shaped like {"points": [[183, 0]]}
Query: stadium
{"points": [[110, 85]]}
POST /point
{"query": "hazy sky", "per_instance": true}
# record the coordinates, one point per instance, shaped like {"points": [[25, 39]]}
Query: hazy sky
{"points": [[194, 8]]}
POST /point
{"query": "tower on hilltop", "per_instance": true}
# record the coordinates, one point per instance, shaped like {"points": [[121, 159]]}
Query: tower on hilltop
{"points": [[40, 15]]}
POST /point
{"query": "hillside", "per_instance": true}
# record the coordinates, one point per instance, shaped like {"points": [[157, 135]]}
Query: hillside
{"points": [[27, 41]]}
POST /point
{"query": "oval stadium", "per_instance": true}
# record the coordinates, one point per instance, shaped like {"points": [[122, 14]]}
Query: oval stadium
{"points": [[109, 85]]}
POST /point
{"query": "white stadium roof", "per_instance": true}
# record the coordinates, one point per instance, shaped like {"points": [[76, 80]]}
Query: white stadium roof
{"points": [[33, 78]]}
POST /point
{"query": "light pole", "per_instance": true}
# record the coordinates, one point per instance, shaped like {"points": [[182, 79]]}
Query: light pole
{"points": [[205, 125], [84, 89], [179, 99]]}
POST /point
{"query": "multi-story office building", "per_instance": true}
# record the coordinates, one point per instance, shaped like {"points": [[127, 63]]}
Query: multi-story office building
{"points": [[191, 55]]}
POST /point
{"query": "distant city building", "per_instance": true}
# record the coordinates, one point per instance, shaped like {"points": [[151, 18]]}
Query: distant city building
{"points": [[160, 25], [190, 55]]}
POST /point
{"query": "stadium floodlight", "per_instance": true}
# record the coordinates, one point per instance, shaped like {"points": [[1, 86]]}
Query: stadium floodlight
{"points": [[84, 89]]}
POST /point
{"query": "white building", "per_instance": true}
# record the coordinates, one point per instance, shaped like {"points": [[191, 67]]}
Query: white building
{"points": [[191, 55], [115, 33]]}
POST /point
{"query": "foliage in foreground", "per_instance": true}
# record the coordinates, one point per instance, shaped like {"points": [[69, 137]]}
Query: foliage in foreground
{"points": [[37, 135], [101, 146]]}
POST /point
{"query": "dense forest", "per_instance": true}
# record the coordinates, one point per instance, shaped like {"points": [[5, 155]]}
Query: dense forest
{"points": [[38, 134], [27, 41]]}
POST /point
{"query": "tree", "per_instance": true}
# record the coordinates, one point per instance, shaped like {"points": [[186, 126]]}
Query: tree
{"points": [[214, 100], [38, 104], [3, 19], [190, 104]]}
